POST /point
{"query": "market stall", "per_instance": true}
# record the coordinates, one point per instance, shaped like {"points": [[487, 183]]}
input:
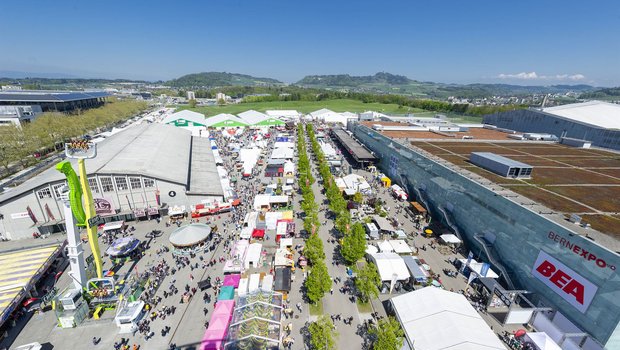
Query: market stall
{"points": [[253, 255], [232, 280], [450, 239], [114, 227], [226, 293]]}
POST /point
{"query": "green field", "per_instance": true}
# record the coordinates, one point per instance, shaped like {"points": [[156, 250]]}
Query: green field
{"points": [[353, 106]]}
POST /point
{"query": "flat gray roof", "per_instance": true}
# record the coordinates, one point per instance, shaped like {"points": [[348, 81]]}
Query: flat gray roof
{"points": [[152, 150], [501, 159], [38, 96], [357, 150], [204, 178]]}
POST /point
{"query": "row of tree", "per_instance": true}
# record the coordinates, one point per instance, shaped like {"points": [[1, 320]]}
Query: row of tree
{"points": [[318, 281], [387, 335], [25, 144], [322, 332]]}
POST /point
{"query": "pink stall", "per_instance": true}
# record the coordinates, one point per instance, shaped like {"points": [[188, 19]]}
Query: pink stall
{"points": [[215, 335]]}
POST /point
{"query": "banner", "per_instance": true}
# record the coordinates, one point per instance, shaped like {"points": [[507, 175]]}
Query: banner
{"points": [[565, 282], [485, 269], [49, 212], [472, 277], [103, 206], [157, 197], [31, 215], [393, 281], [469, 257]]}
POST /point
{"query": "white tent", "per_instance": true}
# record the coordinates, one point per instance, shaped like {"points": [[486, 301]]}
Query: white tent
{"points": [[252, 117], [185, 117], [285, 114], [286, 242], [254, 282], [357, 182], [261, 201], [271, 219], [542, 341], [435, 319], [450, 238], [243, 287], [385, 247], [281, 257], [400, 247], [252, 256], [389, 264], [282, 153], [477, 268], [267, 283], [371, 249], [284, 144]]}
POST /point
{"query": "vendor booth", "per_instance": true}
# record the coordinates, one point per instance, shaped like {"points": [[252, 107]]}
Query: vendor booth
{"points": [[231, 280], [242, 290], [253, 256], [267, 283], [226, 293], [541, 340], [177, 213], [253, 283], [450, 239], [417, 271], [128, 316], [114, 227]]}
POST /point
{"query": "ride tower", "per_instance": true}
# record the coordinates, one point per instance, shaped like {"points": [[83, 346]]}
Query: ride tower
{"points": [[80, 196]]}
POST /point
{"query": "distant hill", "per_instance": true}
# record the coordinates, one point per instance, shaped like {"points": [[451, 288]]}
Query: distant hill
{"points": [[213, 79], [42, 83], [606, 93], [353, 81], [387, 83]]}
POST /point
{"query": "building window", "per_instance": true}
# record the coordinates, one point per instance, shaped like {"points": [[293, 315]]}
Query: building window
{"points": [[135, 183], [44, 193], [57, 188], [106, 184], [121, 183], [149, 183], [92, 183]]}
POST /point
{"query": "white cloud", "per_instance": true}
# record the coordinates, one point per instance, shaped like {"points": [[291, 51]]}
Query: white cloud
{"points": [[522, 75], [534, 76]]}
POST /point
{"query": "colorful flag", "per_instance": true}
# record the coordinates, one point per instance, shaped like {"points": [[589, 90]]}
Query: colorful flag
{"points": [[49, 212], [31, 214]]}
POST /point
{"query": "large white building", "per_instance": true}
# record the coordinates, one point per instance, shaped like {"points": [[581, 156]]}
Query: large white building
{"points": [[595, 121], [140, 168], [328, 116]]}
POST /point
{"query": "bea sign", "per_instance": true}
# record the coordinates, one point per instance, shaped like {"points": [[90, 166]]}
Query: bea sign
{"points": [[565, 282]]}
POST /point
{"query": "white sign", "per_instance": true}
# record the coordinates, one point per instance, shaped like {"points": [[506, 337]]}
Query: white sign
{"points": [[568, 284], [23, 215]]}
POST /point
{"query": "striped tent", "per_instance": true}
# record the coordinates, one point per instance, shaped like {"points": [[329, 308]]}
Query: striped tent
{"points": [[19, 271]]}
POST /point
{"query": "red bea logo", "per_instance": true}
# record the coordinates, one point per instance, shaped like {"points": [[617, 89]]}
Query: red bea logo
{"points": [[562, 280]]}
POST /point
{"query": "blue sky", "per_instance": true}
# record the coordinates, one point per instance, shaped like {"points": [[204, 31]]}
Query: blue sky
{"points": [[523, 42]]}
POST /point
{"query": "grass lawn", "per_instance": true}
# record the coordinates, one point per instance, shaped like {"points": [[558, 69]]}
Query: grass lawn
{"points": [[342, 105], [365, 308], [316, 309]]}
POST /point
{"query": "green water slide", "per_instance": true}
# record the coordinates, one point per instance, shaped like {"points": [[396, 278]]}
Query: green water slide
{"points": [[75, 191]]}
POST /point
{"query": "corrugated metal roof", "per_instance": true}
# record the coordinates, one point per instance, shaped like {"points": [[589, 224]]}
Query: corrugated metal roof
{"points": [[153, 150]]}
